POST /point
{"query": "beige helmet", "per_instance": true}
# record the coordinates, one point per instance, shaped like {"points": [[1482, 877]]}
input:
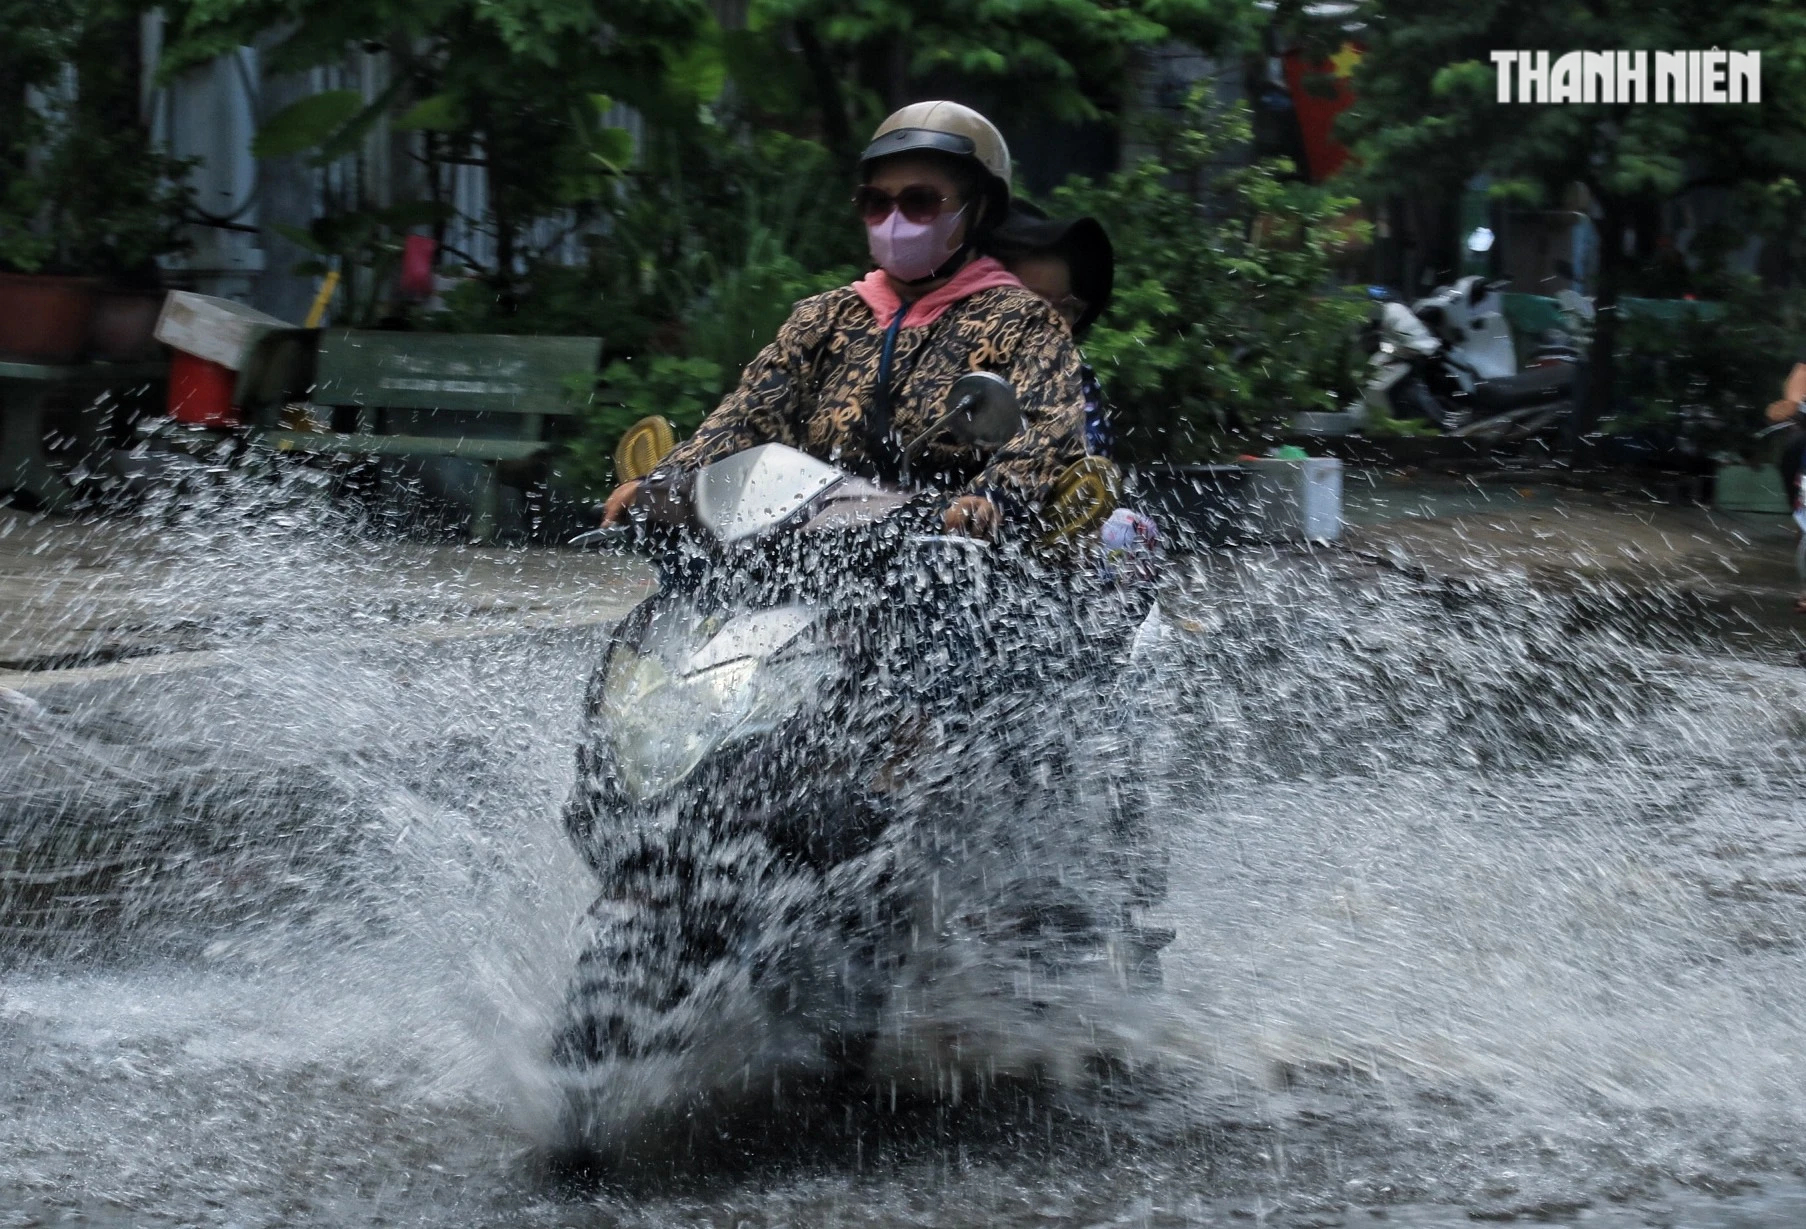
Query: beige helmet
{"points": [[947, 128]]}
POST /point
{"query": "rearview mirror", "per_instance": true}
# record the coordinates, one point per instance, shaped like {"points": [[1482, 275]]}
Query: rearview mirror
{"points": [[982, 412]]}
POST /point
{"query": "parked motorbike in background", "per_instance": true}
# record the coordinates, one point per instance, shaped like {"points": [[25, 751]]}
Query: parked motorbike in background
{"points": [[1449, 359], [1400, 350], [1474, 381]]}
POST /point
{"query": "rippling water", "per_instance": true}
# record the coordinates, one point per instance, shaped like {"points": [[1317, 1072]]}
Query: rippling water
{"points": [[1483, 911]]}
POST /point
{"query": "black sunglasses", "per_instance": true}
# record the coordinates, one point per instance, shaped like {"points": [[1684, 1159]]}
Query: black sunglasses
{"points": [[917, 203]]}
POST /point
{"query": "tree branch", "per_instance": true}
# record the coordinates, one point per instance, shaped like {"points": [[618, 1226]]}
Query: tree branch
{"points": [[837, 131]]}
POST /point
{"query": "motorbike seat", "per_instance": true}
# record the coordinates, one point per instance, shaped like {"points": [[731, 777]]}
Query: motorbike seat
{"points": [[1533, 386]]}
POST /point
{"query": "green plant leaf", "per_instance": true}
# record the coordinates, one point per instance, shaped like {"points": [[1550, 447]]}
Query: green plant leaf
{"points": [[300, 237], [613, 148], [306, 124], [358, 126], [698, 72], [439, 113]]}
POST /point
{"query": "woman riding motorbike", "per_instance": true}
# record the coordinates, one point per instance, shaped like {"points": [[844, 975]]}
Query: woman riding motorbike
{"points": [[857, 372], [796, 865]]}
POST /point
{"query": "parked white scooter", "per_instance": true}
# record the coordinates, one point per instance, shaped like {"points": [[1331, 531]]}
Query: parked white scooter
{"points": [[1449, 359], [1478, 391], [1466, 318], [1478, 388]]}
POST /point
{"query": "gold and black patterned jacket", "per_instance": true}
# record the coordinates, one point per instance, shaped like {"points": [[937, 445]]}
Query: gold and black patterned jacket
{"points": [[812, 387]]}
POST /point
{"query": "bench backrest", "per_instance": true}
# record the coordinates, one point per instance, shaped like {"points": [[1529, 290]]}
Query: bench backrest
{"points": [[450, 371]]}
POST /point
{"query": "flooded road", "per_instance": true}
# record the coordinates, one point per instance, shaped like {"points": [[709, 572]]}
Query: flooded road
{"points": [[1485, 912]]}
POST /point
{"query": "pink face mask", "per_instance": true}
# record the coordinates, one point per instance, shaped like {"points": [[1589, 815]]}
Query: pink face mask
{"points": [[910, 251]]}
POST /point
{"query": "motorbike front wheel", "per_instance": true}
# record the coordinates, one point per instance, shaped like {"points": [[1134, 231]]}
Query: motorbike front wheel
{"points": [[631, 973]]}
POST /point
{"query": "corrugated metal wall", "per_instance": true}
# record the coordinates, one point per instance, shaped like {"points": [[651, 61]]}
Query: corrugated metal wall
{"points": [[212, 114]]}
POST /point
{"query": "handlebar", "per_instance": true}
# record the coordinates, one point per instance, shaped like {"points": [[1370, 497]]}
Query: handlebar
{"points": [[608, 537]]}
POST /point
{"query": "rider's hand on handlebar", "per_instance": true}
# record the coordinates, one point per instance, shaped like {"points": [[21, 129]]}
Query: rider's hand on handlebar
{"points": [[616, 508], [971, 515]]}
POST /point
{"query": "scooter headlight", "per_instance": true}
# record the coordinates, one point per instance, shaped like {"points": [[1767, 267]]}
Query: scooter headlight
{"points": [[664, 723]]}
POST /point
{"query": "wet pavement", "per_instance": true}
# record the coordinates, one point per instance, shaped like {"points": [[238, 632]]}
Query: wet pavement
{"points": [[1487, 910], [1735, 569], [80, 594]]}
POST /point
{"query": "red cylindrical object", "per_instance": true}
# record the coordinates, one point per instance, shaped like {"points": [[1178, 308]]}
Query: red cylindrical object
{"points": [[200, 392], [417, 252]]}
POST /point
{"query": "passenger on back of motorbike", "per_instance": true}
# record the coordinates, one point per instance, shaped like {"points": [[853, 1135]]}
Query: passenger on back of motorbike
{"points": [[857, 371], [1071, 263]]}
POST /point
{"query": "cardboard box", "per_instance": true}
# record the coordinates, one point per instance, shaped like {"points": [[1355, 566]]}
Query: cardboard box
{"points": [[217, 330]]}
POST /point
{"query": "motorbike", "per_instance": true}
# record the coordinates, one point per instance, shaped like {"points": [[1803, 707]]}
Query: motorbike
{"points": [[1476, 390], [1448, 359], [1400, 345], [860, 798]]}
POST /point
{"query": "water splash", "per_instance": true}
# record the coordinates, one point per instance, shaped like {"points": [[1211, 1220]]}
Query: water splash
{"points": [[1480, 905]]}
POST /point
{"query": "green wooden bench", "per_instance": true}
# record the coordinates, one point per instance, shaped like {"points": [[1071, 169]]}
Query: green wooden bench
{"points": [[465, 396], [25, 391]]}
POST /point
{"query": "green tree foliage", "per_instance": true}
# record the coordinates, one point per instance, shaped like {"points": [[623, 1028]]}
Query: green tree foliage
{"points": [[1702, 380], [1222, 321], [82, 190], [854, 61], [704, 250], [520, 87], [39, 38], [1426, 116]]}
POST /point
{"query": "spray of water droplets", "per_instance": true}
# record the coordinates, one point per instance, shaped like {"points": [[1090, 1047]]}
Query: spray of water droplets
{"points": [[1482, 906]]}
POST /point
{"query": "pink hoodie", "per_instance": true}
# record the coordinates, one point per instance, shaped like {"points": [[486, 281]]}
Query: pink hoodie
{"points": [[981, 274]]}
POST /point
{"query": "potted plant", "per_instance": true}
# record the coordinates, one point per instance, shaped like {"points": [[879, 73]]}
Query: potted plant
{"points": [[87, 203]]}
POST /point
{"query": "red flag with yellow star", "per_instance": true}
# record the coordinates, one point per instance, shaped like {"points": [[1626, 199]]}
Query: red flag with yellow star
{"points": [[1320, 92]]}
